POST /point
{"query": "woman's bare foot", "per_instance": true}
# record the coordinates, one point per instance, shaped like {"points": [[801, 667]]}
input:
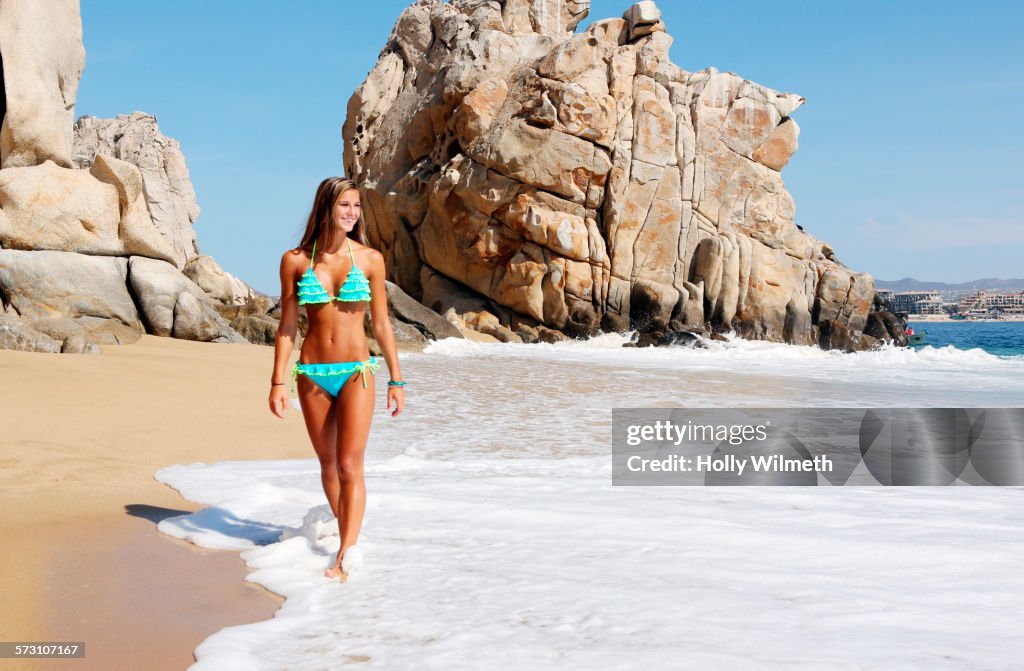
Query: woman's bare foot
{"points": [[335, 573], [350, 559]]}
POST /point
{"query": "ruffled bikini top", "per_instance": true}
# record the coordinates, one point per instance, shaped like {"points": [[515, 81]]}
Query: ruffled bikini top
{"points": [[356, 287]]}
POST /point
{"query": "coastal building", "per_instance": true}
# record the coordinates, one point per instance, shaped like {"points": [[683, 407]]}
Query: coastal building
{"points": [[983, 303], [917, 302], [930, 306]]}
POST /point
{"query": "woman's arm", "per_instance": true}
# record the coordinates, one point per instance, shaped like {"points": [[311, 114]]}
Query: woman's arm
{"points": [[382, 331], [284, 342]]}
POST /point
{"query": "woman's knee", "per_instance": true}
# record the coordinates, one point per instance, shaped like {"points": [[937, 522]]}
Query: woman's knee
{"points": [[350, 469]]}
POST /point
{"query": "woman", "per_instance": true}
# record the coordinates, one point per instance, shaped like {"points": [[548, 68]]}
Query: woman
{"points": [[334, 274]]}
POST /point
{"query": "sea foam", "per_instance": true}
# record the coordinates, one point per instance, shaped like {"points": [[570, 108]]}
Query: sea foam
{"points": [[494, 539]]}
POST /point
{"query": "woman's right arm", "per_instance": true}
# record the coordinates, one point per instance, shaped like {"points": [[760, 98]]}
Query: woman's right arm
{"points": [[284, 342]]}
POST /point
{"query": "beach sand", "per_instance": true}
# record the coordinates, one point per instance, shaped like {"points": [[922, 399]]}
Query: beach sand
{"points": [[81, 559]]}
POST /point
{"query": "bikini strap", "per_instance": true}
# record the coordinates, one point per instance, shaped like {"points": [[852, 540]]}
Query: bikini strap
{"points": [[312, 256], [350, 252]]}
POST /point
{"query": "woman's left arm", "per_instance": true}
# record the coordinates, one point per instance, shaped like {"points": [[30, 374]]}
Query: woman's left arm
{"points": [[382, 331]]}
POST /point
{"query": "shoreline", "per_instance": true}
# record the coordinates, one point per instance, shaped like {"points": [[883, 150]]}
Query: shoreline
{"points": [[83, 437], [81, 590]]}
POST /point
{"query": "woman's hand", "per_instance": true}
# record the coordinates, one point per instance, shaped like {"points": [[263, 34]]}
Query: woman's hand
{"points": [[396, 394], [278, 400]]}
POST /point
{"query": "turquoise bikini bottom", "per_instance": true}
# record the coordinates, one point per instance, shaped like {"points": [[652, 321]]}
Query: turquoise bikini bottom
{"points": [[332, 376]]}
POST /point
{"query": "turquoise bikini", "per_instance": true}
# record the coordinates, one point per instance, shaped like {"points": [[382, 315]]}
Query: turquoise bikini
{"points": [[333, 376], [356, 288]]}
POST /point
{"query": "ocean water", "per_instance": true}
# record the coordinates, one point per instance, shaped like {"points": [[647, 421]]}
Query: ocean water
{"points": [[999, 338], [494, 539]]}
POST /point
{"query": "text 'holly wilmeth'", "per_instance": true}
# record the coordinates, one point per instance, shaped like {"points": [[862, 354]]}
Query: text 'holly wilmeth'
{"points": [[818, 446]]}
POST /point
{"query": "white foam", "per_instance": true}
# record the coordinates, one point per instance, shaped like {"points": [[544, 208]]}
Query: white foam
{"points": [[494, 539], [353, 560], [484, 564], [890, 375]]}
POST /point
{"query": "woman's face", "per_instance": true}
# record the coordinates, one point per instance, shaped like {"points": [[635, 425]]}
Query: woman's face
{"points": [[346, 210]]}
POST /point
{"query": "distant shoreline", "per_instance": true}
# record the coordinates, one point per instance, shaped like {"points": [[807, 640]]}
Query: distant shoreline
{"points": [[945, 319]]}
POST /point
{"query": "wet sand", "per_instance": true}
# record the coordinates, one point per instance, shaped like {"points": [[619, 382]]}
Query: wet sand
{"points": [[80, 439]]}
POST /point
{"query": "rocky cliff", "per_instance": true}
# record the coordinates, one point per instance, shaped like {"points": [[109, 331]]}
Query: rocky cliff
{"points": [[170, 197], [583, 182], [87, 255], [43, 57]]}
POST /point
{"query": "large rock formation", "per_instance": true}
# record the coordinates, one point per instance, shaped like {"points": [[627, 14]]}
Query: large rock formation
{"points": [[582, 181], [170, 198], [96, 211], [43, 57], [81, 260]]}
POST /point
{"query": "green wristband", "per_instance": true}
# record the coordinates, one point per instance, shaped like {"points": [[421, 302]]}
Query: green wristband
{"points": [[396, 383]]}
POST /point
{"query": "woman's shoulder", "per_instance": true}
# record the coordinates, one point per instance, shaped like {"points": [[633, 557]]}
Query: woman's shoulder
{"points": [[367, 252], [296, 256]]}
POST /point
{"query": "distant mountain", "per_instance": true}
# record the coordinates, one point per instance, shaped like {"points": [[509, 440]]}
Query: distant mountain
{"points": [[988, 284]]}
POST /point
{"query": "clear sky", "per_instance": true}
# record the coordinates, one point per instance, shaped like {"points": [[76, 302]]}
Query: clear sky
{"points": [[910, 146]]}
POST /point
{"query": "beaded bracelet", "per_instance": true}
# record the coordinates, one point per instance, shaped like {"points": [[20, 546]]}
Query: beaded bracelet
{"points": [[396, 383]]}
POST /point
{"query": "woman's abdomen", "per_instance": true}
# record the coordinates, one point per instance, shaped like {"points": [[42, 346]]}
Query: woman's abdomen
{"points": [[332, 338]]}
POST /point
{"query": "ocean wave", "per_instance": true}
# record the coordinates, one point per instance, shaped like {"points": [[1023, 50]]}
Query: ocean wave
{"points": [[608, 349]]}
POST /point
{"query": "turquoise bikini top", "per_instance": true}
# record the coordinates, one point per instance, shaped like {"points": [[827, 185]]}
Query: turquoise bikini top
{"points": [[356, 286]]}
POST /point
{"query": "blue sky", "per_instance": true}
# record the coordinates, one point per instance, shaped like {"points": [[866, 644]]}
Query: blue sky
{"points": [[910, 144]]}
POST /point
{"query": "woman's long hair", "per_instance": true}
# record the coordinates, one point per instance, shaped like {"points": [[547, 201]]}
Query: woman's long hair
{"points": [[320, 224]]}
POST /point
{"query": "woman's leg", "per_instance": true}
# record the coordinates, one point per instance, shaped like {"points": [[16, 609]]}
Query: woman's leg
{"points": [[353, 412], [318, 411]]}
